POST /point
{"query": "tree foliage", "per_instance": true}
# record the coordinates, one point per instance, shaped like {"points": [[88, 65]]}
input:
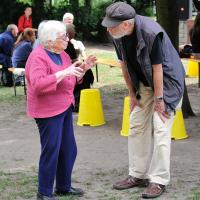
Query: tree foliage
{"points": [[9, 12], [88, 13]]}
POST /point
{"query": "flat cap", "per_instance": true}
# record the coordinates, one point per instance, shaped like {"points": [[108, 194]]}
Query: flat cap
{"points": [[116, 13]]}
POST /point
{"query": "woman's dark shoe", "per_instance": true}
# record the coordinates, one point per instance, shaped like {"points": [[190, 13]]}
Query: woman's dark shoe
{"points": [[72, 191], [43, 197]]}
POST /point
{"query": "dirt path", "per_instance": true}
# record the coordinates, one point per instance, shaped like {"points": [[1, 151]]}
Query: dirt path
{"points": [[102, 157]]}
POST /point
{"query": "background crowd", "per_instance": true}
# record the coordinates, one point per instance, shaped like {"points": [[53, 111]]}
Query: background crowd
{"points": [[18, 41]]}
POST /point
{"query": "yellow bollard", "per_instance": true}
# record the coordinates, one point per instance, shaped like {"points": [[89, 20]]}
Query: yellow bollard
{"points": [[90, 108], [126, 117], [178, 128], [192, 69]]}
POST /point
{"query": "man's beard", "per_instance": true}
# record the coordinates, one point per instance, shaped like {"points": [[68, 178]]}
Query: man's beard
{"points": [[120, 35]]}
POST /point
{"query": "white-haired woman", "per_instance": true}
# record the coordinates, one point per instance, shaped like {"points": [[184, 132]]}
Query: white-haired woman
{"points": [[51, 78]]}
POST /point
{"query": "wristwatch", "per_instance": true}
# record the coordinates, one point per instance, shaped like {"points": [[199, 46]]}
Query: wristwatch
{"points": [[159, 98]]}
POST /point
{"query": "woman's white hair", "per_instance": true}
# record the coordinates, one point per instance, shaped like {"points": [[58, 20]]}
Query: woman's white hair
{"points": [[49, 31], [40, 27], [68, 15]]}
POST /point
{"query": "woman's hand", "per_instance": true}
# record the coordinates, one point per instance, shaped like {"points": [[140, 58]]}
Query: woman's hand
{"points": [[72, 70], [75, 70], [89, 63]]}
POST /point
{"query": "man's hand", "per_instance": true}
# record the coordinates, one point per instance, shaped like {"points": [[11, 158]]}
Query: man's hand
{"points": [[133, 102], [159, 107]]}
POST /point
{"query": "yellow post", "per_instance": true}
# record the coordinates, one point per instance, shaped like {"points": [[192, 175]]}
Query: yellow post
{"points": [[178, 128], [192, 69], [90, 108], [126, 117]]}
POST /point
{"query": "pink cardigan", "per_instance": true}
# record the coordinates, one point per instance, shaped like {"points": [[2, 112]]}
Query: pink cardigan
{"points": [[46, 98]]}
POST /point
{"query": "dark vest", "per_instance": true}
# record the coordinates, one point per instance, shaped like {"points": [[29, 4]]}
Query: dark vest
{"points": [[173, 71]]}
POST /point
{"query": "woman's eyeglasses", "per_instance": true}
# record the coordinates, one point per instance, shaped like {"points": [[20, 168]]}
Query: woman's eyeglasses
{"points": [[64, 37]]}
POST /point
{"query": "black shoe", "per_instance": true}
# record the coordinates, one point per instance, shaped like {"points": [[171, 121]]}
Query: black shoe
{"points": [[72, 191], [43, 197]]}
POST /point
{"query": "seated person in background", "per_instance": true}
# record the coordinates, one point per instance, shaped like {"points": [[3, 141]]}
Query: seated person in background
{"points": [[7, 39], [25, 21], [76, 51], [23, 47]]}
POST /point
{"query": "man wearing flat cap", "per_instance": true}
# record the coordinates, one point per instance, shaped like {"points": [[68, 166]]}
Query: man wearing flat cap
{"points": [[154, 76]]}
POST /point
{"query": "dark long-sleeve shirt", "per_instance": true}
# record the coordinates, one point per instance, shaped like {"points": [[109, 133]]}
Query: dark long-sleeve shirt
{"points": [[6, 47]]}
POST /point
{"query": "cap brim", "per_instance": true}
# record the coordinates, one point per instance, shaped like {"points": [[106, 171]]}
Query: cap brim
{"points": [[110, 22]]}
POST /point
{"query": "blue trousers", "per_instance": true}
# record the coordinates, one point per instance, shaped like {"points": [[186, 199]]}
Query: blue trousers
{"points": [[58, 152]]}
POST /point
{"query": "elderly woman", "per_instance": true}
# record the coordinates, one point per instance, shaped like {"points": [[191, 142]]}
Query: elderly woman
{"points": [[51, 78]]}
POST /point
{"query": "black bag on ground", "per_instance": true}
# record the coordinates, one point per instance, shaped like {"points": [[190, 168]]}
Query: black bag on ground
{"points": [[186, 51]]}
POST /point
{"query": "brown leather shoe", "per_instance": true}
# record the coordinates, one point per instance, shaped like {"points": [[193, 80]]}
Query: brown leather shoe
{"points": [[153, 190], [130, 182]]}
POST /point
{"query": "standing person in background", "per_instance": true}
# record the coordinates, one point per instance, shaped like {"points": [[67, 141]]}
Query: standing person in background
{"points": [[70, 50], [25, 21], [51, 78], [154, 76], [76, 51], [7, 39], [195, 35], [68, 18], [78, 46]]}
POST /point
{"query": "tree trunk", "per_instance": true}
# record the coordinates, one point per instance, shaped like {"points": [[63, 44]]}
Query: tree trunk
{"points": [[38, 12], [186, 107], [88, 4], [128, 1], [167, 15], [74, 4], [197, 4]]}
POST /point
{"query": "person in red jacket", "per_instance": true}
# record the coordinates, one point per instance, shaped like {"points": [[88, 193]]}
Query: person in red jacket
{"points": [[25, 21]]}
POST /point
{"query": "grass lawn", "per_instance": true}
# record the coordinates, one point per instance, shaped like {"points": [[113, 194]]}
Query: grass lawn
{"points": [[21, 185]]}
